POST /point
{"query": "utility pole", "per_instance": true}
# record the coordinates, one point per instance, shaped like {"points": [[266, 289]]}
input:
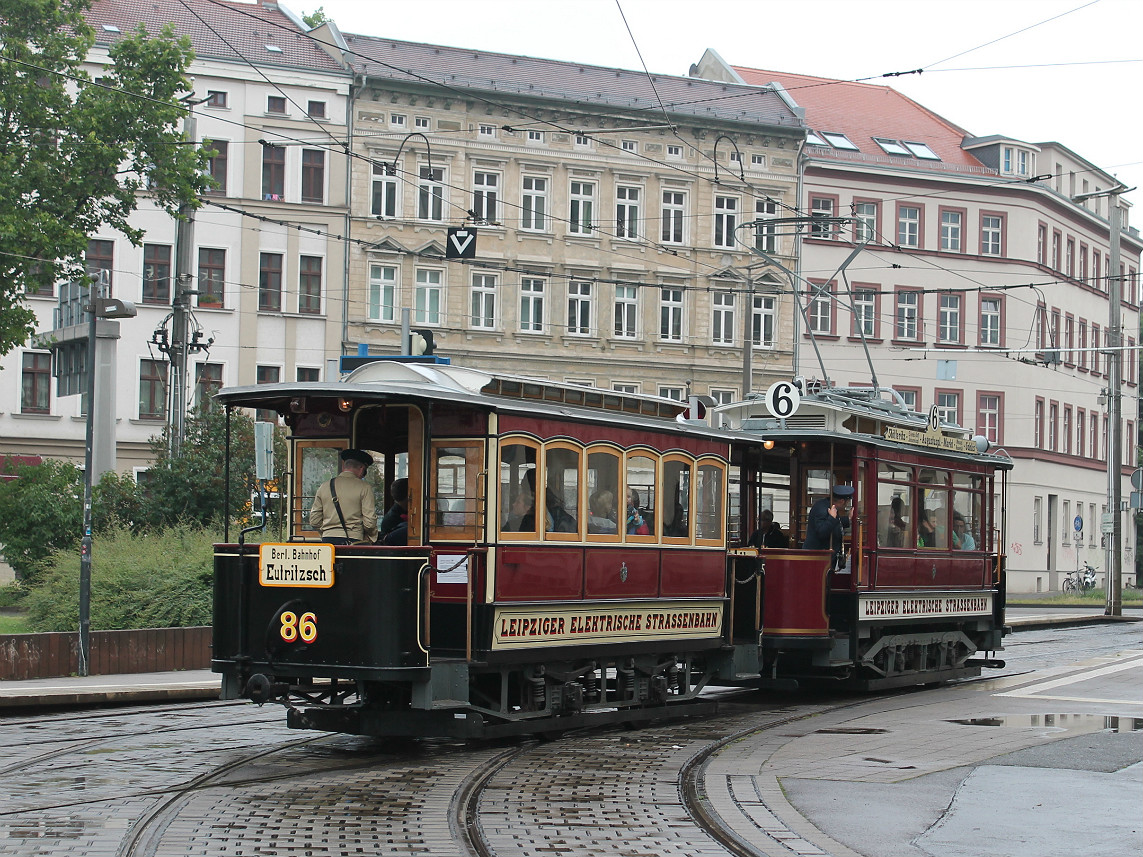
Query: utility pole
{"points": [[1114, 339]]}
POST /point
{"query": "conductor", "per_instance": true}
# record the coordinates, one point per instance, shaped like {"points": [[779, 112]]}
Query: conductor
{"points": [[827, 521], [344, 510]]}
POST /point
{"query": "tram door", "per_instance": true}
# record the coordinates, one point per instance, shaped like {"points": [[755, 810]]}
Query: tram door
{"points": [[394, 436]]}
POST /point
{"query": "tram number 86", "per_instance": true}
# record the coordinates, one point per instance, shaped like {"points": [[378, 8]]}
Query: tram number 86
{"points": [[294, 626]]}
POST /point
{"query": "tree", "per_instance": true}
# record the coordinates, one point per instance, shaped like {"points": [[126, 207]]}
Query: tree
{"points": [[316, 18], [75, 154], [41, 511]]}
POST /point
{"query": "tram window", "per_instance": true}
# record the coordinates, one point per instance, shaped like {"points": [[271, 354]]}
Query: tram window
{"points": [[894, 516], [602, 483], [561, 499], [968, 504], [453, 502], [639, 518], [676, 506], [518, 488], [708, 502], [316, 463]]}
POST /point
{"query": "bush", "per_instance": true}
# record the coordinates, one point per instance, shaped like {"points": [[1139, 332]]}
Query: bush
{"points": [[157, 579], [12, 595], [41, 511]]}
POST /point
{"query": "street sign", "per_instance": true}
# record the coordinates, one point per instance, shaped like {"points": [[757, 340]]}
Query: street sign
{"points": [[461, 243], [1137, 479], [1107, 523], [1077, 524]]}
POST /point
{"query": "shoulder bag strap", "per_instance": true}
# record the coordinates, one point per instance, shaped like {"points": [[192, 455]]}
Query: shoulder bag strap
{"points": [[337, 508]]}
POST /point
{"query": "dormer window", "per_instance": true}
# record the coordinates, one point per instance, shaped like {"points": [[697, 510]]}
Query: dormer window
{"points": [[839, 141], [921, 150], [813, 139], [1015, 161], [892, 147]]}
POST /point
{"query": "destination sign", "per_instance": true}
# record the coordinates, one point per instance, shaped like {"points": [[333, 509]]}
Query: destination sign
{"points": [[925, 606], [931, 439], [564, 625], [296, 564]]}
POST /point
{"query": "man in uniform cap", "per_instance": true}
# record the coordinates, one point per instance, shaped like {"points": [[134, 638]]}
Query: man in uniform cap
{"points": [[827, 520], [344, 510]]}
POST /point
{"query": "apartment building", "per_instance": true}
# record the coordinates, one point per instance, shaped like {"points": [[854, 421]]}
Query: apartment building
{"points": [[982, 290], [268, 260], [613, 215]]}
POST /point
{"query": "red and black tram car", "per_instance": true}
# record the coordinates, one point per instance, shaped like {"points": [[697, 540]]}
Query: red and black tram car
{"points": [[566, 558], [917, 594]]}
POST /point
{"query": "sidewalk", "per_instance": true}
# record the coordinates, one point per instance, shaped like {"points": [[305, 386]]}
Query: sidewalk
{"points": [[104, 689]]}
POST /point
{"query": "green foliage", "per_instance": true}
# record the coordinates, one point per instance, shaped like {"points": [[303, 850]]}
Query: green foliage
{"points": [[12, 595], [159, 579], [75, 154], [316, 18], [41, 511]]}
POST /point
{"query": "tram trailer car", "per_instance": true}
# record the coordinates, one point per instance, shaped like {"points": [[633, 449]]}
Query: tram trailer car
{"points": [[904, 602], [531, 595]]}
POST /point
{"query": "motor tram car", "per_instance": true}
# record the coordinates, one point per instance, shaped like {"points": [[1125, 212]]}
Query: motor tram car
{"points": [[915, 592], [578, 556], [530, 586]]}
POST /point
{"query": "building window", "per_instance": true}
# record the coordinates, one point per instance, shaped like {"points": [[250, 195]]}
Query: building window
{"points": [[988, 416], [382, 293], [1055, 251], [679, 394], [908, 315], [950, 318], [534, 204], [582, 140], [948, 407], [309, 285], [267, 375], [428, 296], [1093, 435], [671, 315], [819, 311], [579, 308], [215, 98], [1081, 352], [865, 313], [1070, 258], [535, 136], [626, 311], [674, 216], [275, 104], [865, 229], [764, 321], [1096, 276], [156, 273], [315, 109], [725, 220], [1042, 244], [908, 226], [991, 235], [821, 208], [621, 387], [313, 175], [217, 165], [1067, 431], [722, 327], [99, 260], [582, 210], [36, 383], [630, 146], [1037, 515], [483, 302], [1095, 361], [1081, 432], [270, 282], [757, 160], [208, 381], [951, 229], [308, 374], [765, 232], [1053, 426], [487, 131], [152, 389], [532, 305], [422, 123], [908, 396], [384, 190], [674, 151], [627, 212], [485, 188], [990, 329], [398, 120], [211, 277], [430, 194], [273, 172]]}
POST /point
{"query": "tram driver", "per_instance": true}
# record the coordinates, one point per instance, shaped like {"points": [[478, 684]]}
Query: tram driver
{"points": [[827, 522]]}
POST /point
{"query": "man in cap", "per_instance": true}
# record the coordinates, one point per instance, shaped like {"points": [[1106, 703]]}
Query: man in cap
{"points": [[827, 520], [344, 510]]}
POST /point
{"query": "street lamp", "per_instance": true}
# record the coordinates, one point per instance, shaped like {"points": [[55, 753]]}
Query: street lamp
{"points": [[105, 308]]}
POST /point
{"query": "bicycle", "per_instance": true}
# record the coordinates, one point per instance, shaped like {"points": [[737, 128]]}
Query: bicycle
{"points": [[1080, 580]]}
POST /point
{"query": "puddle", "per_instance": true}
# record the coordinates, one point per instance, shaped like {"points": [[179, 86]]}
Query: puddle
{"points": [[850, 730], [1071, 722]]}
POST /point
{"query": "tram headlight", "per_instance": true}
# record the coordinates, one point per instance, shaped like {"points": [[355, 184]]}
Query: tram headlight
{"points": [[767, 444], [346, 405], [983, 444]]}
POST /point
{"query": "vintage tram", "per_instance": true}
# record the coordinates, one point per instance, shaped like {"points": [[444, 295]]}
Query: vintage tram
{"points": [[916, 592], [577, 555]]}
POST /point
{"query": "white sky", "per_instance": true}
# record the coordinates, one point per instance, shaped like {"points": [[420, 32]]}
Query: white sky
{"points": [[1075, 79]]}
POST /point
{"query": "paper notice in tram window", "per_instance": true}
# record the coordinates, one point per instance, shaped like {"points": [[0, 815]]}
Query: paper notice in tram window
{"points": [[452, 569]]}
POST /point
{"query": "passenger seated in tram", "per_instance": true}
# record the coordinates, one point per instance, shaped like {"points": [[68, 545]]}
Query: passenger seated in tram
{"points": [[962, 538], [769, 533], [521, 513], [601, 512], [636, 525], [926, 530], [897, 525]]}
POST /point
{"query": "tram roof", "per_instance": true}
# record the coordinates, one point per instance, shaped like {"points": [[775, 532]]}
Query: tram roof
{"points": [[859, 414], [384, 380]]}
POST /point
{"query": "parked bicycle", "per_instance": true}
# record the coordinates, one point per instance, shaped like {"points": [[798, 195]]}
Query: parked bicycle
{"points": [[1080, 580]]}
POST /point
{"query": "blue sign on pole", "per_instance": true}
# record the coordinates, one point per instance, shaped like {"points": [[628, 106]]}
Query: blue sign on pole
{"points": [[1077, 524]]}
